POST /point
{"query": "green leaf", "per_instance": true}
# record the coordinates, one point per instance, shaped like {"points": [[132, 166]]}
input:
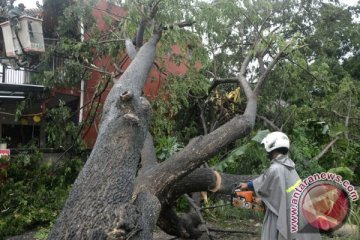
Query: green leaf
{"points": [[260, 135], [232, 157]]}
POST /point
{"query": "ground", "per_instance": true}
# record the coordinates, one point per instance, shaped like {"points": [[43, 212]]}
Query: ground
{"points": [[160, 235], [248, 225]]}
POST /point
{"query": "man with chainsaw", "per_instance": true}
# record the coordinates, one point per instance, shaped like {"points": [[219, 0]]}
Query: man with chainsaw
{"points": [[275, 187]]}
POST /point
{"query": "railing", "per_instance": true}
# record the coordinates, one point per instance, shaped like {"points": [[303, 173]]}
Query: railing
{"points": [[11, 76]]}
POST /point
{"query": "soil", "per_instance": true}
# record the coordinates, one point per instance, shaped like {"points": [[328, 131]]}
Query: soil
{"points": [[160, 235], [245, 229]]}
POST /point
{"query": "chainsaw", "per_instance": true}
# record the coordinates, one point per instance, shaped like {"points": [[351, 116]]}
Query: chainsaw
{"points": [[246, 200]]}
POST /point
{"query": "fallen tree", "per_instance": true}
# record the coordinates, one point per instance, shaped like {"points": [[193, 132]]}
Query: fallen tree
{"points": [[112, 198]]}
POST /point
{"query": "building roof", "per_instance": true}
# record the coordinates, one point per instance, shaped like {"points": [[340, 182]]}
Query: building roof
{"points": [[34, 12]]}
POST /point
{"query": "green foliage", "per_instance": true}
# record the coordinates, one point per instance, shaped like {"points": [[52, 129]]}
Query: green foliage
{"points": [[182, 205], [260, 135], [243, 158], [34, 191], [167, 146], [73, 14], [61, 131], [312, 95], [354, 216], [345, 172], [43, 232], [63, 64], [174, 107], [302, 151], [231, 158], [19, 109]]}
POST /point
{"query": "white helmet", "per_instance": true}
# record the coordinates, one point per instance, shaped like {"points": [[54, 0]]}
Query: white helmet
{"points": [[275, 140]]}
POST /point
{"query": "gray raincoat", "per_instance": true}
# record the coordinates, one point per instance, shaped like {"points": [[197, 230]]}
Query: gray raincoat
{"points": [[271, 188]]}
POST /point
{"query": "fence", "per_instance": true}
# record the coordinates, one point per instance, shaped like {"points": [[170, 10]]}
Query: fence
{"points": [[11, 76]]}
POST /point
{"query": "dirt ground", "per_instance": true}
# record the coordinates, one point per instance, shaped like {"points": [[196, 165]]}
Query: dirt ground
{"points": [[238, 229], [159, 235]]}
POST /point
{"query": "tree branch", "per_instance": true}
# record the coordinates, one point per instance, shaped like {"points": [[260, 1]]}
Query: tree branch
{"points": [[218, 81], [343, 116], [269, 68], [202, 117], [327, 147], [135, 74], [242, 79], [197, 151], [198, 212], [153, 8], [179, 25], [269, 122], [348, 117], [230, 231]]}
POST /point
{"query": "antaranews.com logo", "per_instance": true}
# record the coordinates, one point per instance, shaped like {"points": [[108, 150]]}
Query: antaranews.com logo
{"points": [[323, 201]]}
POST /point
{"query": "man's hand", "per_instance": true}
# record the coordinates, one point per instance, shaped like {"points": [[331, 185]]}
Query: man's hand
{"points": [[258, 200]]}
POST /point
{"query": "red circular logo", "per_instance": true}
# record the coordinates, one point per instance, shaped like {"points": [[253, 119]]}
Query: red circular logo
{"points": [[325, 206]]}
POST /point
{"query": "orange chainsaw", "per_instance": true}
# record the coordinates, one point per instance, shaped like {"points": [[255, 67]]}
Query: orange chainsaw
{"points": [[246, 200]]}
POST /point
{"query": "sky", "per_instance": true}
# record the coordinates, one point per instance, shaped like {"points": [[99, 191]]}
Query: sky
{"points": [[32, 3], [28, 3]]}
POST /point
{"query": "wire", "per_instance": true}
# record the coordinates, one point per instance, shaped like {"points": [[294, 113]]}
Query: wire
{"points": [[23, 115]]}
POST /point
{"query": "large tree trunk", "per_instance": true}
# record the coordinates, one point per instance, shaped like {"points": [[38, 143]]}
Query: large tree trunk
{"points": [[100, 203]]}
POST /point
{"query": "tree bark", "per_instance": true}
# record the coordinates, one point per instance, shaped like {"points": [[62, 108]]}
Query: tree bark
{"points": [[200, 180], [148, 155], [206, 179], [192, 156], [100, 203]]}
